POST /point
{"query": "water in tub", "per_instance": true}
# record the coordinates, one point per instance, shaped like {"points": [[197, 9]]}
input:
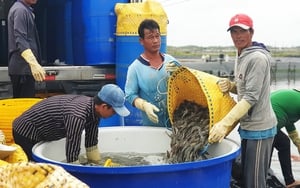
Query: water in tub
{"points": [[129, 159]]}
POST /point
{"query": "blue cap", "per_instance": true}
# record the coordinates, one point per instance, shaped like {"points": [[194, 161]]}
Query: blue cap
{"points": [[114, 96]]}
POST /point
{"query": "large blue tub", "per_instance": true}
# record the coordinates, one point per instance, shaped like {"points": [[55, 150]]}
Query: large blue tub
{"points": [[214, 172]]}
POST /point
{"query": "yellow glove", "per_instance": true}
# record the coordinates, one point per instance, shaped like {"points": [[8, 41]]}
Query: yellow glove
{"points": [[93, 154], [218, 131], [225, 85], [148, 108], [171, 66], [18, 155], [295, 138], [37, 70]]}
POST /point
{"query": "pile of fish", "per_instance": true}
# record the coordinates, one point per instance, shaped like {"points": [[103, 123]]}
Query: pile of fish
{"points": [[189, 138]]}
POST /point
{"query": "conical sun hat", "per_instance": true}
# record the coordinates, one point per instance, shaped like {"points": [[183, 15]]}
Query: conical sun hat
{"points": [[201, 88]]}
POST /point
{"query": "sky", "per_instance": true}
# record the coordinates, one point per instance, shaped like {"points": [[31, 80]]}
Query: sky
{"points": [[204, 22]]}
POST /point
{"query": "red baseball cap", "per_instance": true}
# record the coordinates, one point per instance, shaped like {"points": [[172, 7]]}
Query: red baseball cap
{"points": [[241, 20]]}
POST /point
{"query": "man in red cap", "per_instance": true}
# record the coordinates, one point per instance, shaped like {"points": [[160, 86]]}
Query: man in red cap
{"points": [[253, 109]]}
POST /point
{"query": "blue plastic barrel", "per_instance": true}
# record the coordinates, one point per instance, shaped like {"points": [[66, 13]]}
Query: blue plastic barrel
{"points": [[94, 27], [55, 29], [111, 121], [128, 49], [68, 32]]}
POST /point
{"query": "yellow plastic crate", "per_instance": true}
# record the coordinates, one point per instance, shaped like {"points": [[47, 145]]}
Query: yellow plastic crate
{"points": [[9, 110], [201, 88]]}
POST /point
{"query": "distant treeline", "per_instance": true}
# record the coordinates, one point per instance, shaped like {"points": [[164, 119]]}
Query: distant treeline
{"points": [[216, 51]]}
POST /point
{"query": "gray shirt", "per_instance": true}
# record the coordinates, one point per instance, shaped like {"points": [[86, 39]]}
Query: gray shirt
{"points": [[252, 76], [22, 35]]}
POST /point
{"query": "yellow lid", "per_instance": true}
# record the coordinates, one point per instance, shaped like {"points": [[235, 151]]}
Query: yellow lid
{"points": [[130, 15]]}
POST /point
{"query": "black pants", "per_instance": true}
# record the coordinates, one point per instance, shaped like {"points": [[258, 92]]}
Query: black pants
{"points": [[23, 86], [283, 146], [25, 143]]}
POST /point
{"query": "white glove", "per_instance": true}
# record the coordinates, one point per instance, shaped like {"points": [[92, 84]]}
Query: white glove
{"points": [[148, 108], [295, 138], [37, 70], [171, 67], [219, 130], [225, 85], [93, 155]]}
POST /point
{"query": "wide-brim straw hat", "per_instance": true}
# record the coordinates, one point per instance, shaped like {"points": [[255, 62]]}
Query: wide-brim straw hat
{"points": [[201, 88]]}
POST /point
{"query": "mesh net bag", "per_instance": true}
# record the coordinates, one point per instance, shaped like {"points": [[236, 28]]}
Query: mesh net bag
{"points": [[201, 88], [37, 175]]}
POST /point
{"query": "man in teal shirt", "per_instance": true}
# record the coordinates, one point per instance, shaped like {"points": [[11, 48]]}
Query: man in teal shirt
{"points": [[146, 82], [286, 105]]}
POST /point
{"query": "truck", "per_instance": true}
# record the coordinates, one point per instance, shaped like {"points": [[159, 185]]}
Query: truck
{"points": [[78, 56], [85, 46]]}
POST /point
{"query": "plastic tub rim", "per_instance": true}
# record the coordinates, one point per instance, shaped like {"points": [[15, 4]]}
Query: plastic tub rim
{"points": [[232, 154]]}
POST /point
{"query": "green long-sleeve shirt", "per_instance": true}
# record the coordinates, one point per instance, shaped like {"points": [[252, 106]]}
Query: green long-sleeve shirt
{"points": [[286, 105]]}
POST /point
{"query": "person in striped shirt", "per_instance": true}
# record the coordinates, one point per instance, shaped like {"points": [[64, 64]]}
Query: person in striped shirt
{"points": [[67, 116]]}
